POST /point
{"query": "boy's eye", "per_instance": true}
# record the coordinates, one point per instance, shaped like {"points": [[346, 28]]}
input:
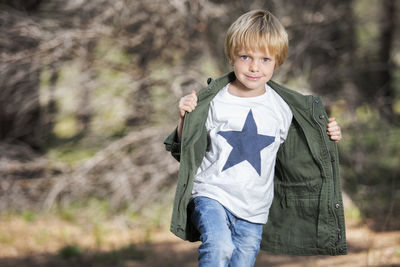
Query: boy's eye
{"points": [[266, 59], [244, 57]]}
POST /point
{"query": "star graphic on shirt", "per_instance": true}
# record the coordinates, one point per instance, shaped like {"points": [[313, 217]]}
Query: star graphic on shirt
{"points": [[246, 144]]}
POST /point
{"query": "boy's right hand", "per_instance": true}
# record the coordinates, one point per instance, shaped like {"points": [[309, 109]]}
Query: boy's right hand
{"points": [[187, 103]]}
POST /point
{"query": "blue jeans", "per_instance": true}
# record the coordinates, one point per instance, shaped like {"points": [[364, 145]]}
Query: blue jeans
{"points": [[226, 239]]}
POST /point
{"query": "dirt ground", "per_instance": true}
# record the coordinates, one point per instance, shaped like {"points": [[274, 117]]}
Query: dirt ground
{"points": [[161, 248], [366, 248]]}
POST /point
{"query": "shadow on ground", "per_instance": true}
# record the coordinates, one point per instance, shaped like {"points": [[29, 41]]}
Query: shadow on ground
{"points": [[178, 253]]}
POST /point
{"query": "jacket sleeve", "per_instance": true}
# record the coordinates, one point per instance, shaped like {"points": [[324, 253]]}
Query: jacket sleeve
{"points": [[173, 145]]}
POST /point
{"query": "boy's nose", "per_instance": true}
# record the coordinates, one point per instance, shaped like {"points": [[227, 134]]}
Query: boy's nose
{"points": [[253, 66]]}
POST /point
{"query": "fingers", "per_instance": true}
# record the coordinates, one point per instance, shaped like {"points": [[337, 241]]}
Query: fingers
{"points": [[333, 130], [187, 103], [336, 137]]}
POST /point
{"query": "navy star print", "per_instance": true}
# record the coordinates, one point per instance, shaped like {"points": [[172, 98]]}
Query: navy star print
{"points": [[247, 144]]}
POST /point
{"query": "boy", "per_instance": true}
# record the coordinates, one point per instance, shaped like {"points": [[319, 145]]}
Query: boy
{"points": [[258, 162]]}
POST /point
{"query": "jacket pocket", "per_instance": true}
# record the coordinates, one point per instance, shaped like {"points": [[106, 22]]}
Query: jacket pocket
{"points": [[305, 202], [297, 214]]}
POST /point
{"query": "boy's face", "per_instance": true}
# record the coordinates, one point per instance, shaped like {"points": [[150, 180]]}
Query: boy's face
{"points": [[252, 69]]}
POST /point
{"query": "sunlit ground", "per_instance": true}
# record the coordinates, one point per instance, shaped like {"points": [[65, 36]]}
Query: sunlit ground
{"points": [[89, 236]]}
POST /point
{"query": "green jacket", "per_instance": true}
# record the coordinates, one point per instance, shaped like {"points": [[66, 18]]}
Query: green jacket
{"points": [[306, 216]]}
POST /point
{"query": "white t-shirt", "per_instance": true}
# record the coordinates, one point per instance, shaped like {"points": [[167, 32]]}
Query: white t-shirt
{"points": [[238, 167]]}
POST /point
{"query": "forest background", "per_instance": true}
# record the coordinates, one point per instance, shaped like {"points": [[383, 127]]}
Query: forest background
{"points": [[89, 90]]}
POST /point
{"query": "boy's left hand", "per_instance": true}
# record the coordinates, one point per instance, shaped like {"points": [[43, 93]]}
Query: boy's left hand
{"points": [[333, 130]]}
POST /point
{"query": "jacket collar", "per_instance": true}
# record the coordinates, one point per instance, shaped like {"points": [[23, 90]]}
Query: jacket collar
{"points": [[215, 85], [292, 98]]}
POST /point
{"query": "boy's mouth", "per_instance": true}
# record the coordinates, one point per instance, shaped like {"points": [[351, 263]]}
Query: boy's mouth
{"points": [[253, 78]]}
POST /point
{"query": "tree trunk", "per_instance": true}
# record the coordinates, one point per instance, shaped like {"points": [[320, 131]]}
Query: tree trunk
{"points": [[386, 90]]}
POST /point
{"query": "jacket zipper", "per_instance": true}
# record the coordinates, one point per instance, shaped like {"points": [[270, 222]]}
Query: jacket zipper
{"points": [[338, 234]]}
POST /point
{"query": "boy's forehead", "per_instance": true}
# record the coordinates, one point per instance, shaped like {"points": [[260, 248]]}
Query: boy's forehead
{"points": [[255, 50]]}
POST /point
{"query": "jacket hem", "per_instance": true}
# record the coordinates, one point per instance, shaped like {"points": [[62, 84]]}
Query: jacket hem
{"points": [[297, 251], [181, 233]]}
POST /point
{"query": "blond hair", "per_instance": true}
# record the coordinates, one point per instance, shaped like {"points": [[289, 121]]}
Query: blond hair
{"points": [[257, 29]]}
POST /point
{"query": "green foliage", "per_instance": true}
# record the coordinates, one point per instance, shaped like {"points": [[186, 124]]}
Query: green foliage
{"points": [[109, 85], [120, 255], [89, 210], [367, 28], [44, 94], [110, 103], [67, 213], [371, 167], [95, 215], [70, 251], [71, 153], [111, 53], [66, 127], [353, 213], [98, 233], [28, 216], [116, 256], [161, 105], [106, 103]]}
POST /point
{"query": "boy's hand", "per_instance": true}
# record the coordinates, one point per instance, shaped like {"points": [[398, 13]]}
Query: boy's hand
{"points": [[187, 103], [333, 130]]}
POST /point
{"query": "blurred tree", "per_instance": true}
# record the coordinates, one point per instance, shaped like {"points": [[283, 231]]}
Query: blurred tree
{"points": [[20, 113], [385, 84], [23, 5], [375, 63], [95, 60]]}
